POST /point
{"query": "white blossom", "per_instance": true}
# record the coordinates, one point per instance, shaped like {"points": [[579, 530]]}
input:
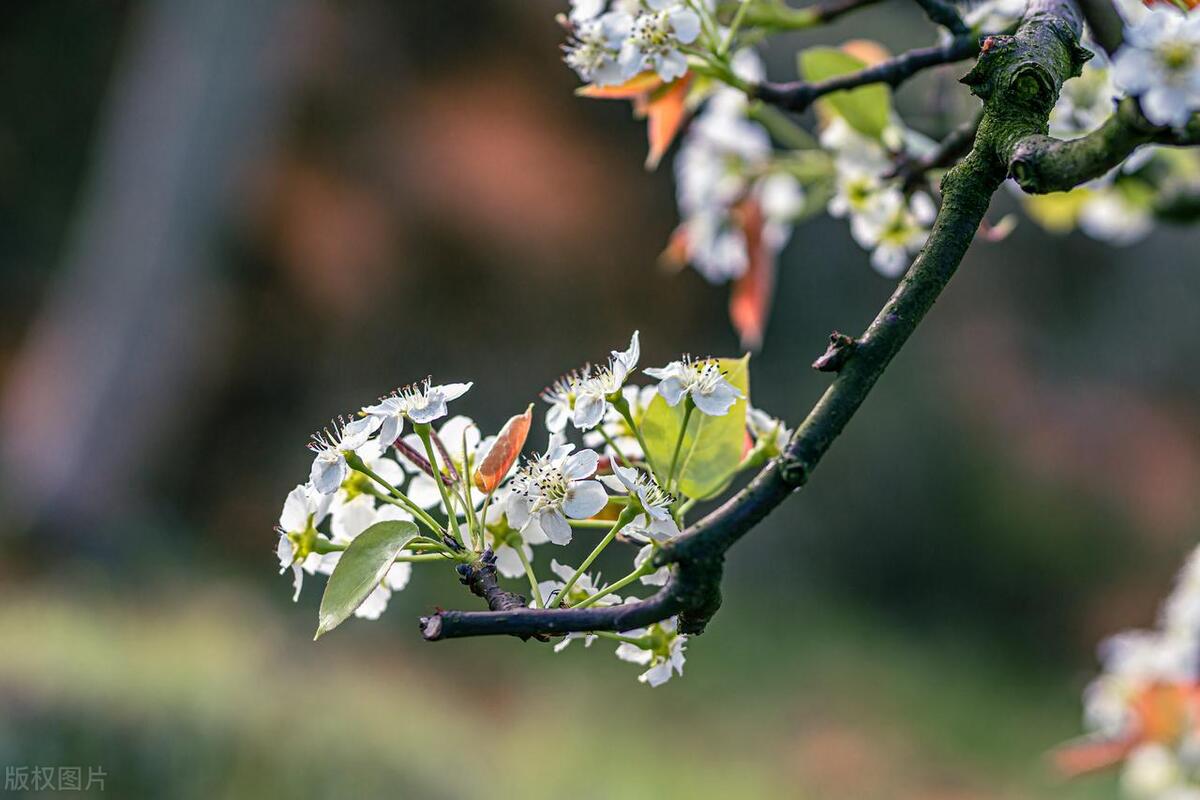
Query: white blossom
{"points": [[421, 402], [1085, 102], [659, 577], [994, 16], [303, 510], [595, 46], [655, 37], [895, 228], [552, 487], [653, 521], [663, 651], [561, 396], [591, 394], [331, 445], [615, 426], [701, 380], [772, 433], [1159, 63]]}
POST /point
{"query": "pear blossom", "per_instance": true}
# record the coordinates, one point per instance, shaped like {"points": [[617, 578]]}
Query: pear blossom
{"points": [[770, 433], [895, 228], [591, 398], [505, 540], [562, 396], [653, 521], [596, 45], [552, 487], [654, 38], [1085, 102], [421, 402], [702, 381], [617, 428], [303, 510], [1109, 215], [329, 468], [662, 651], [1159, 63], [993, 16], [659, 577], [586, 586]]}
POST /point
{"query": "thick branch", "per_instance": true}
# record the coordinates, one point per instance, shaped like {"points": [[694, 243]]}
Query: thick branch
{"points": [[1018, 79], [1041, 164], [799, 95], [1104, 23]]}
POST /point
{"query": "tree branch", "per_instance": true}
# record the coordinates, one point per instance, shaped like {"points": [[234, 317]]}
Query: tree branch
{"points": [[944, 14], [1018, 78], [912, 171], [1104, 23], [1042, 164], [799, 95]]}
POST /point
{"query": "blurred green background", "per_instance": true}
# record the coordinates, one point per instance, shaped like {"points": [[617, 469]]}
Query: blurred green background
{"points": [[223, 222]]}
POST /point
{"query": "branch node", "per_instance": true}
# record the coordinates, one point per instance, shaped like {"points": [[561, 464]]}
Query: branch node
{"points": [[841, 347]]}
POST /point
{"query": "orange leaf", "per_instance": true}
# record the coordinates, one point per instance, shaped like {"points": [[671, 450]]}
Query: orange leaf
{"points": [[675, 255], [750, 299], [1089, 755], [866, 51], [503, 454], [643, 83], [666, 111]]}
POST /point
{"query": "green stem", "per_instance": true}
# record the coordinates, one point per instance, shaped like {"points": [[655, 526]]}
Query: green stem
{"points": [[422, 430], [626, 517], [613, 445], [734, 26], [590, 523], [622, 407], [688, 405], [533, 585], [357, 465], [422, 558], [638, 641]]}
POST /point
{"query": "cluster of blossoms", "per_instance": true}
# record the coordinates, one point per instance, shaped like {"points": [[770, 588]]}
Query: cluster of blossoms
{"points": [[609, 46], [469, 499], [1144, 710]]}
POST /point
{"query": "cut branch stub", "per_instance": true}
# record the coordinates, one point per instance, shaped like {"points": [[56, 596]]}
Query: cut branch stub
{"points": [[841, 347]]}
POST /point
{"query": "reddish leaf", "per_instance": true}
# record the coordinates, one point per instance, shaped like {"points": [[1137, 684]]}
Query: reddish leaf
{"points": [[1085, 756], [666, 112], [677, 252], [503, 454], [636, 86], [750, 299]]}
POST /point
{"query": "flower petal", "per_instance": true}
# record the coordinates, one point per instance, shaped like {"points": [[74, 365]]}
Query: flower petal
{"points": [[584, 499]]}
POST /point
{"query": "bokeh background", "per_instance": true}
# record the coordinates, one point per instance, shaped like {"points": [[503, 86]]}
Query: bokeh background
{"points": [[223, 222]]}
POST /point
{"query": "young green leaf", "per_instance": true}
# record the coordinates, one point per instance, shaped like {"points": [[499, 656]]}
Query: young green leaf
{"points": [[712, 446], [362, 566], [867, 109]]}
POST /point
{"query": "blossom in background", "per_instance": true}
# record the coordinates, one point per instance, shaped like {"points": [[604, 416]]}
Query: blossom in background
{"points": [[703, 381], [1144, 710], [561, 397], [553, 487], [1159, 63], [654, 521], [993, 16], [329, 468], [1084, 102], [663, 651], [303, 510], [660, 576], [592, 393], [586, 586], [654, 39], [1111, 216], [421, 402], [617, 428], [894, 228]]}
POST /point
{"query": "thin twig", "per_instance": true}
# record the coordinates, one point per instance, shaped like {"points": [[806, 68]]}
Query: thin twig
{"points": [[944, 14], [799, 95], [913, 171]]}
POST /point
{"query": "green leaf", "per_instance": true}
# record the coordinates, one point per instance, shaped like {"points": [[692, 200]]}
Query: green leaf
{"points": [[360, 569], [712, 446], [867, 109]]}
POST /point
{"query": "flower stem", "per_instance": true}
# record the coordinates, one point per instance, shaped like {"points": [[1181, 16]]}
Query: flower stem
{"points": [[357, 465], [723, 50], [637, 641], [626, 517], [589, 523], [422, 430], [688, 405], [614, 447], [622, 407], [533, 585]]}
